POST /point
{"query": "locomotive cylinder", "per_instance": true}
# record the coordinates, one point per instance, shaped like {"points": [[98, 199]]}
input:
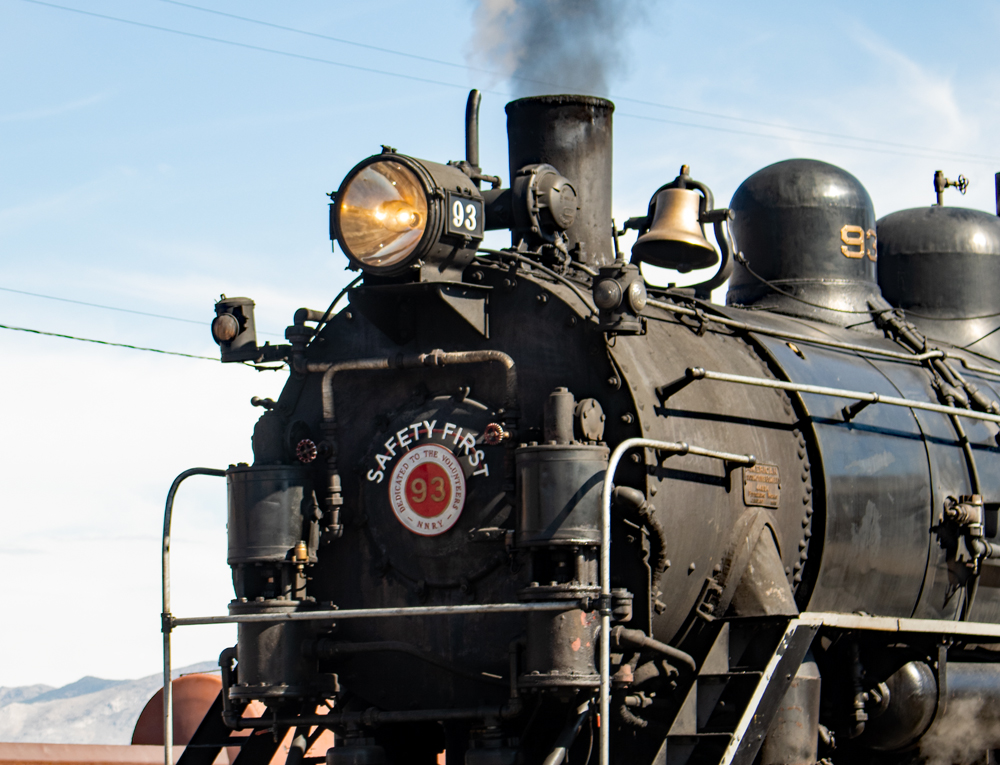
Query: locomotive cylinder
{"points": [[908, 710], [267, 512], [559, 486], [271, 663], [271, 538]]}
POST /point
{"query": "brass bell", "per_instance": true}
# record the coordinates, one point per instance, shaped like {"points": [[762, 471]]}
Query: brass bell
{"points": [[676, 237]]}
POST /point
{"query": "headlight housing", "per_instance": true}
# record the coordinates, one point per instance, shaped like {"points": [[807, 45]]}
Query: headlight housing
{"points": [[394, 213]]}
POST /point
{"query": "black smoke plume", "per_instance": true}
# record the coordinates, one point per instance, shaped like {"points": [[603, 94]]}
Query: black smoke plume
{"points": [[556, 46]]}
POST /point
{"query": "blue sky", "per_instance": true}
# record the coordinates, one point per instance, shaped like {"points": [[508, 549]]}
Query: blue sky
{"points": [[152, 171]]}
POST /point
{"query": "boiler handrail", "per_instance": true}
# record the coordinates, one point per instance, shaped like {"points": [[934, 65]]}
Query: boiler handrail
{"points": [[166, 618], [616, 457]]}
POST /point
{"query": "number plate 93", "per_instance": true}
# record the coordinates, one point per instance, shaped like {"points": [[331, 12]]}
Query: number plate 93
{"points": [[465, 216]]}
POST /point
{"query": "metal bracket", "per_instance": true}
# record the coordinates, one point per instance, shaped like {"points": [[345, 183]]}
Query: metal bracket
{"points": [[711, 594], [942, 680], [853, 410]]}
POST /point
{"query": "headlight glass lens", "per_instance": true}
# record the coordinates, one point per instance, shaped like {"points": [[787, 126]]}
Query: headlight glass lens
{"points": [[383, 214]]}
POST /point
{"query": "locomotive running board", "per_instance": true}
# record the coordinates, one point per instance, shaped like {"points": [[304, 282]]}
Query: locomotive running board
{"points": [[703, 732], [893, 624]]}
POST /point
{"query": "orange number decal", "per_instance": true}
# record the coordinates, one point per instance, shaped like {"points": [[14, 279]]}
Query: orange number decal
{"points": [[418, 488], [852, 236], [872, 247], [437, 483]]}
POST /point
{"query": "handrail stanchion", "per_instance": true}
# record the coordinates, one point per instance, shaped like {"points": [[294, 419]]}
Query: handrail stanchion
{"points": [[672, 447], [166, 618]]}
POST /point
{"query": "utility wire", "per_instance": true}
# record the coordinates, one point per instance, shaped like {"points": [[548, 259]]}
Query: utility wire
{"points": [[637, 101], [116, 308], [256, 47], [928, 153], [982, 159], [106, 342], [98, 305]]}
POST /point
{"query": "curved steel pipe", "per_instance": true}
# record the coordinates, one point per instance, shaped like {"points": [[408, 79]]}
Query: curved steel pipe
{"points": [[166, 619], [435, 358], [639, 639], [605, 569]]}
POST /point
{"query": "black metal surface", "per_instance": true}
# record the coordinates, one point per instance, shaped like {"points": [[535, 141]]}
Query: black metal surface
{"points": [[271, 661], [807, 227], [270, 508], [841, 510], [559, 492], [791, 739], [940, 264], [572, 133], [790, 653]]}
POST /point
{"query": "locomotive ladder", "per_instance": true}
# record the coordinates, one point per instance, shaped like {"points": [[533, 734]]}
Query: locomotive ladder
{"points": [[731, 702]]}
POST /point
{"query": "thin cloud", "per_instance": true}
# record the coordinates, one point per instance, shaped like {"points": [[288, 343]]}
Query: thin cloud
{"points": [[54, 206], [55, 111], [916, 92]]}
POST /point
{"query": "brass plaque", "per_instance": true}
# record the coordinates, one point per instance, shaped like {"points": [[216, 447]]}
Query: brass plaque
{"points": [[761, 486]]}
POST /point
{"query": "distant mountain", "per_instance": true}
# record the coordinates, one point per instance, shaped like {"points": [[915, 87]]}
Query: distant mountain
{"points": [[88, 711], [81, 687], [22, 694]]}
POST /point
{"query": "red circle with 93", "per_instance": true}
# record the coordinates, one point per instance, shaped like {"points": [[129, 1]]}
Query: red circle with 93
{"points": [[427, 489]]}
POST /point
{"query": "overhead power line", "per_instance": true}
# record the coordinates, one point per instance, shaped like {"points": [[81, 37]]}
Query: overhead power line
{"points": [[637, 101], [260, 48], [106, 342], [201, 323], [98, 305], [926, 152]]}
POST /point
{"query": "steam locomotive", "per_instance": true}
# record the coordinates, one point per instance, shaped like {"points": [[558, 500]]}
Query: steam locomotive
{"points": [[519, 506]]}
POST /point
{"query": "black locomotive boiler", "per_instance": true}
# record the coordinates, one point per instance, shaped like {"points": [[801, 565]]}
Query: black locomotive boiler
{"points": [[520, 506]]}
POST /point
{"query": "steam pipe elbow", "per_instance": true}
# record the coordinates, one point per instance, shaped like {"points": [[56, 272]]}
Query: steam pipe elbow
{"points": [[981, 548], [638, 639], [512, 708], [302, 315], [629, 496]]}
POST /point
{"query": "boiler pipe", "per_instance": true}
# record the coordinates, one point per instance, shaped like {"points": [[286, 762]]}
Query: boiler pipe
{"points": [[433, 359], [616, 457], [697, 373], [166, 618], [744, 327], [372, 613]]}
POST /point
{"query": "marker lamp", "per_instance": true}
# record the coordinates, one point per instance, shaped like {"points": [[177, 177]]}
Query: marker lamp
{"points": [[393, 213]]}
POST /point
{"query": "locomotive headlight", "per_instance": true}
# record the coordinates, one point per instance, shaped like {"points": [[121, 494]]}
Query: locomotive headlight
{"points": [[383, 214], [393, 212]]}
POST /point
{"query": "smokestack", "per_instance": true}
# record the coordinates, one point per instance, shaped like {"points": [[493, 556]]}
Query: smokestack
{"points": [[572, 133]]}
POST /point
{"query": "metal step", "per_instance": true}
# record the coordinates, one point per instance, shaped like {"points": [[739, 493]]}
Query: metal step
{"points": [[728, 709]]}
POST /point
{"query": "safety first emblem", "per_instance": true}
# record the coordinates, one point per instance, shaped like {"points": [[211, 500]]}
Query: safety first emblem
{"points": [[427, 489]]}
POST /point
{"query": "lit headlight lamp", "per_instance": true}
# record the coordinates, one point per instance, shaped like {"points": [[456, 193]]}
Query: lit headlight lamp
{"points": [[394, 212]]}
